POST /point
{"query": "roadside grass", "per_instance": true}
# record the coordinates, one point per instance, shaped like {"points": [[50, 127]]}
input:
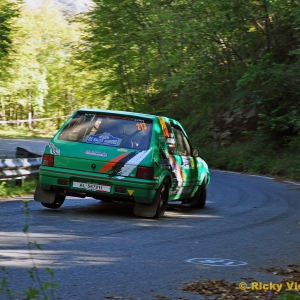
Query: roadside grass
{"points": [[289, 296], [9, 132], [10, 189], [254, 158]]}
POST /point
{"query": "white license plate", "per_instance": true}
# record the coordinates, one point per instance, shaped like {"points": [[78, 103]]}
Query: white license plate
{"points": [[92, 186]]}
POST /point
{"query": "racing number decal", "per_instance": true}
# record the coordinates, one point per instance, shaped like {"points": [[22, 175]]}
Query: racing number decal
{"points": [[141, 126]]}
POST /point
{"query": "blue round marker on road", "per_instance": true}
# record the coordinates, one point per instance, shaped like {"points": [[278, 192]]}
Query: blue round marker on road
{"points": [[216, 262]]}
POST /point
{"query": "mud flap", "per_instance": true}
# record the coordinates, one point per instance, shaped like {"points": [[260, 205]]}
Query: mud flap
{"points": [[44, 196], [146, 210]]}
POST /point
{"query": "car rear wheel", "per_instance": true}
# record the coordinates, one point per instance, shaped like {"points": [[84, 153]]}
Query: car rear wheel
{"points": [[58, 201], [162, 198]]}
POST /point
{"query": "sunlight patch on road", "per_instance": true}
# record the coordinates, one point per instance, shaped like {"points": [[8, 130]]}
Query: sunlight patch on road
{"points": [[186, 216], [160, 225], [18, 234], [19, 238], [53, 259], [292, 182]]}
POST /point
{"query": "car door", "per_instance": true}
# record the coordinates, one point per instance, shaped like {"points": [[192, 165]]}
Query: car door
{"points": [[187, 163]]}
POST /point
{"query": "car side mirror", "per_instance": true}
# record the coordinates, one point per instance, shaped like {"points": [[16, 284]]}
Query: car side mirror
{"points": [[196, 152]]}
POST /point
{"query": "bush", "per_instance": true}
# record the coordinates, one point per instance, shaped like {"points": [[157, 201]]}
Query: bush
{"points": [[255, 157], [9, 188]]}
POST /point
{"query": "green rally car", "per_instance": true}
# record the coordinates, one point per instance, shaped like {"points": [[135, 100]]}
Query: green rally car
{"points": [[122, 156]]}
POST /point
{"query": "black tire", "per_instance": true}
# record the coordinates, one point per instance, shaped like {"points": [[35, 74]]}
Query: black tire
{"points": [[162, 198], [200, 196], [58, 201]]}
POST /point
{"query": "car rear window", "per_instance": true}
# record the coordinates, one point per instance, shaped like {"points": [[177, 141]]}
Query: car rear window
{"points": [[108, 130]]}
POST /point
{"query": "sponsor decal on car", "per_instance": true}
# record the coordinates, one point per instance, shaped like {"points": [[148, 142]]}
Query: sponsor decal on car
{"points": [[115, 117], [103, 139], [108, 166], [177, 170], [188, 162], [54, 150], [125, 163], [95, 153], [115, 165], [203, 162], [133, 162], [162, 138]]}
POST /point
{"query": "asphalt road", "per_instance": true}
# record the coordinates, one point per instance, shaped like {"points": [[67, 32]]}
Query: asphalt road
{"points": [[8, 146], [99, 250]]}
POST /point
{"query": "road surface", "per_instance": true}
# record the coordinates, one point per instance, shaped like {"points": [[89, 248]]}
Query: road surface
{"points": [[8, 146], [101, 250]]}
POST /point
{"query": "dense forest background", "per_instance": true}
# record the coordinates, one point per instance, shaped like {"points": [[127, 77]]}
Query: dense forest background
{"points": [[228, 70]]}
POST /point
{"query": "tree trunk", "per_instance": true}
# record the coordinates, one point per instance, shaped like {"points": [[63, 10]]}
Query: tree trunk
{"points": [[3, 114], [29, 109]]}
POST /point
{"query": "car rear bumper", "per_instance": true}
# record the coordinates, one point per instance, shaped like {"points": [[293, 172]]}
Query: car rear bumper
{"points": [[117, 187]]}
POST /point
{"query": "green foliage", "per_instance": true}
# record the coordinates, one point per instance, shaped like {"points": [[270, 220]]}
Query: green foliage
{"points": [[39, 289], [289, 296], [275, 89], [44, 78], [191, 60], [259, 157], [9, 189], [8, 12], [46, 131]]}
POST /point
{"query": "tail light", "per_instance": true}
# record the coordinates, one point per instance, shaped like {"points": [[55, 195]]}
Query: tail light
{"points": [[145, 173], [48, 160]]}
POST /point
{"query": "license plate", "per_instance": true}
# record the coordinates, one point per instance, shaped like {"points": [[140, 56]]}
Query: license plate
{"points": [[92, 187]]}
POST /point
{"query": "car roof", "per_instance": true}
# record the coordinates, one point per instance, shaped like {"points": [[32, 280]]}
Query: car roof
{"points": [[129, 113], [118, 112]]}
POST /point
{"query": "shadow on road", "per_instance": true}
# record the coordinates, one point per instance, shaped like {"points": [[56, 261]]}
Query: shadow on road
{"points": [[95, 208]]}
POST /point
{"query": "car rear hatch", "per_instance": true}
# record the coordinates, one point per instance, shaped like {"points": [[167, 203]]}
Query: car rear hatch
{"points": [[106, 144], [99, 159]]}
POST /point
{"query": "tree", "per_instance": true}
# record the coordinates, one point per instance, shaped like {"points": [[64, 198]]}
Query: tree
{"points": [[8, 12], [45, 78]]}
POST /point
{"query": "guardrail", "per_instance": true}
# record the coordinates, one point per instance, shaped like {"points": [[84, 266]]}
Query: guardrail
{"points": [[20, 168]]}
